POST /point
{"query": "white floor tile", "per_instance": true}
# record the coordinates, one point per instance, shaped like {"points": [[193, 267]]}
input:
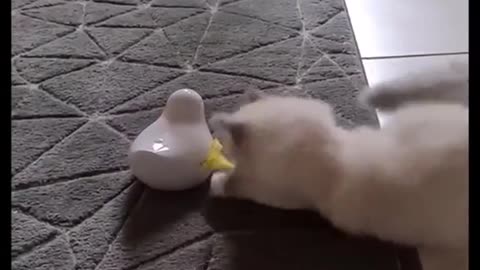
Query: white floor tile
{"points": [[409, 27], [381, 70]]}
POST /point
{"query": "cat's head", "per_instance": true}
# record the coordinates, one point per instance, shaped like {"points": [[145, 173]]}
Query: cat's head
{"points": [[269, 138], [233, 128]]}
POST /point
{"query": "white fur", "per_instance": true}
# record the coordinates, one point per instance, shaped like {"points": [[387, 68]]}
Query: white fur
{"points": [[406, 183]]}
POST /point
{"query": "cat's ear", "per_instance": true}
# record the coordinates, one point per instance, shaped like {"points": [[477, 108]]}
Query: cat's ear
{"points": [[254, 95], [250, 96]]}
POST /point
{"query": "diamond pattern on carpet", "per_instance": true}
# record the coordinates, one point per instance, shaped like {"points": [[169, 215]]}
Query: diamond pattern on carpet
{"points": [[89, 75]]}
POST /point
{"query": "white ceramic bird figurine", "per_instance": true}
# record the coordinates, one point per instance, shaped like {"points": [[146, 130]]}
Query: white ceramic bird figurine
{"points": [[177, 151]]}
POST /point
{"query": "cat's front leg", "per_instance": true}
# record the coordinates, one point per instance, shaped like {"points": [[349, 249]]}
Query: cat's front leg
{"points": [[218, 183]]}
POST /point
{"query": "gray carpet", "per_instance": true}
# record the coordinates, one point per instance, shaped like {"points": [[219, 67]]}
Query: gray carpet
{"points": [[88, 76]]}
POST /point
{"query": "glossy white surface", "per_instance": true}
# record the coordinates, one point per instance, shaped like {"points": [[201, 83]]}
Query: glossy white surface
{"points": [[380, 70], [409, 27], [168, 153]]}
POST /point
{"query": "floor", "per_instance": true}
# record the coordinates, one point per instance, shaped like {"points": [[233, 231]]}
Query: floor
{"points": [[396, 37]]}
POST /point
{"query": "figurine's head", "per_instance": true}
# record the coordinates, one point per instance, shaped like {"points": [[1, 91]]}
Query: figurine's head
{"points": [[184, 105]]}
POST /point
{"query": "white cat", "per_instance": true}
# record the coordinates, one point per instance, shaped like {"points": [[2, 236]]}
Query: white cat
{"points": [[406, 183]]}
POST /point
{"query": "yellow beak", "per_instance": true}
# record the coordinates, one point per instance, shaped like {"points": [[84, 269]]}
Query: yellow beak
{"points": [[215, 160]]}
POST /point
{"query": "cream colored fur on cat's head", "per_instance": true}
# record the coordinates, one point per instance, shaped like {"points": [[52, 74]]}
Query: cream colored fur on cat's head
{"points": [[280, 145]]}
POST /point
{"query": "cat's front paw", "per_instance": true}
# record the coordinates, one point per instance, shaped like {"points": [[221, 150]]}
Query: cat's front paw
{"points": [[218, 183]]}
